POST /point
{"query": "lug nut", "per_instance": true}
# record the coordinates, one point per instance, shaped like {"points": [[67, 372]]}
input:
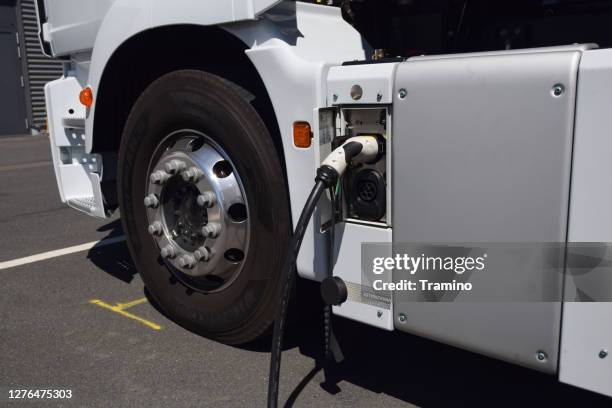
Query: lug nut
{"points": [[151, 201], [202, 254], [159, 177], [168, 251], [211, 230], [207, 199], [187, 261], [156, 228], [193, 174], [175, 166]]}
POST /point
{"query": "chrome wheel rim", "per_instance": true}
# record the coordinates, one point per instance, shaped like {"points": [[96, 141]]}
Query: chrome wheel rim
{"points": [[197, 210]]}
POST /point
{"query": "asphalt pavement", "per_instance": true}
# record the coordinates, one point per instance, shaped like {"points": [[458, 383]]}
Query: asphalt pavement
{"points": [[82, 322]]}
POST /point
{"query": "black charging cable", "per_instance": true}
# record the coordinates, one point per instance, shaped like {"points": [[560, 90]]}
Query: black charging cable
{"points": [[326, 177], [359, 148]]}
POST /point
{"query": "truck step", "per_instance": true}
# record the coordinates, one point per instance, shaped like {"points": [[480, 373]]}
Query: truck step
{"points": [[73, 122], [86, 204]]}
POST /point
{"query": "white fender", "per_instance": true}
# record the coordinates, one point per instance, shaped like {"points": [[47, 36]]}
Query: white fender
{"points": [[126, 18]]}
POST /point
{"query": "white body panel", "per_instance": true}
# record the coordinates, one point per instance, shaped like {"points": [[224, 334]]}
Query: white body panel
{"points": [[376, 81], [77, 173], [74, 24], [586, 328], [292, 60], [348, 267]]}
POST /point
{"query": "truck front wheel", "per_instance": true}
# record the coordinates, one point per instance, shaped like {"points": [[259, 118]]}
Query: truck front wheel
{"points": [[204, 205]]}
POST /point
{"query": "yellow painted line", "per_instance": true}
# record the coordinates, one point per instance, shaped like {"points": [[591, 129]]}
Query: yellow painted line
{"points": [[119, 309], [127, 305]]}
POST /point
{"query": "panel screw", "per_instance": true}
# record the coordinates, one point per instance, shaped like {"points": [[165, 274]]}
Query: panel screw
{"points": [[402, 317], [155, 228], [207, 199], [175, 166], [541, 356], [603, 353], [558, 90], [159, 177], [168, 252], [211, 230], [379, 313], [151, 201], [402, 93]]}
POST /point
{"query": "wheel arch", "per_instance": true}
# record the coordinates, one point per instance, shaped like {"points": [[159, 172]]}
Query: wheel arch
{"points": [[150, 54]]}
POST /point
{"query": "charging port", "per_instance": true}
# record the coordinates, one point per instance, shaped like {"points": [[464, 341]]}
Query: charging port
{"points": [[363, 196]]}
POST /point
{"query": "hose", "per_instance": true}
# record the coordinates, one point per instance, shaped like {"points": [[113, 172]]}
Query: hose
{"points": [[359, 148], [327, 309], [287, 280]]}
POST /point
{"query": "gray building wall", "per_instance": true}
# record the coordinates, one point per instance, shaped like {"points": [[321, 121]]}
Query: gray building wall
{"points": [[24, 70], [13, 116], [38, 68]]}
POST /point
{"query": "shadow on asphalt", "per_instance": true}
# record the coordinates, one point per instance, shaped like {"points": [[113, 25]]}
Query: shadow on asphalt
{"points": [[429, 374], [412, 369], [120, 264]]}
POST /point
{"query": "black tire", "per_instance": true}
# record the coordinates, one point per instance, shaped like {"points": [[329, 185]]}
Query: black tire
{"points": [[197, 100]]}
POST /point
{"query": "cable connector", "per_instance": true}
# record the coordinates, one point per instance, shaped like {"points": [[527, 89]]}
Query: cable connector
{"points": [[361, 148], [327, 175]]}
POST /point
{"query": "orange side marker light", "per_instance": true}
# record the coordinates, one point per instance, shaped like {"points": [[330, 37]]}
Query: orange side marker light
{"points": [[86, 97], [302, 135]]}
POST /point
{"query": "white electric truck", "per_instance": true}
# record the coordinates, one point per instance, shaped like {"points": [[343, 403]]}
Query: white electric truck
{"points": [[204, 122]]}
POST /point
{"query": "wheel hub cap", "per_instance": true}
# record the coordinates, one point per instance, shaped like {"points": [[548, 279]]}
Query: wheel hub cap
{"points": [[197, 209]]}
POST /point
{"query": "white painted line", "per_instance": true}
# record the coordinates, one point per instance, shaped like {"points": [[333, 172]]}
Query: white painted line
{"points": [[59, 252]]}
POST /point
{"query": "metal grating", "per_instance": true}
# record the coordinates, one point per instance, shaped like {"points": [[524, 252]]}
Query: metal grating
{"points": [[40, 68], [86, 204]]}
